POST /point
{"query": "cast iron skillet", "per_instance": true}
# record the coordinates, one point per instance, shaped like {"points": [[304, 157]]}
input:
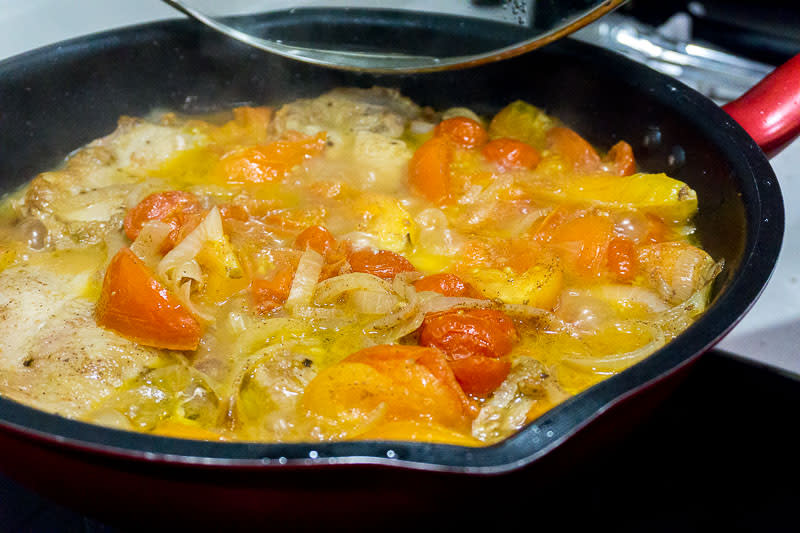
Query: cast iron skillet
{"points": [[54, 100]]}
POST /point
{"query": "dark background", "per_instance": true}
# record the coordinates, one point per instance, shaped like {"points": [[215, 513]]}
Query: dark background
{"points": [[762, 30]]}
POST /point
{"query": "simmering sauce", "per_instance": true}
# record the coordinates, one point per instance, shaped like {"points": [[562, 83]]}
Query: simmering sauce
{"points": [[352, 266]]}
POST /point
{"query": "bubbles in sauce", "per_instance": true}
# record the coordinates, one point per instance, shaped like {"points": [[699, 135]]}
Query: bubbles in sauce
{"points": [[33, 232]]}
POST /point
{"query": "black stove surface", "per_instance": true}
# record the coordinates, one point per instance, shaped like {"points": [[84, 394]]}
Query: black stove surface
{"points": [[721, 454]]}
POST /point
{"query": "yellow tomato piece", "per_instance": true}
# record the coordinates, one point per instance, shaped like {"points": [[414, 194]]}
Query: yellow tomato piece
{"points": [[218, 258], [225, 276], [539, 286], [386, 220], [521, 121], [350, 397]]}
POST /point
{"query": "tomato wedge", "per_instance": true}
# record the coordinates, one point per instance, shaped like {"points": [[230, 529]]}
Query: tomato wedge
{"points": [[135, 305]]}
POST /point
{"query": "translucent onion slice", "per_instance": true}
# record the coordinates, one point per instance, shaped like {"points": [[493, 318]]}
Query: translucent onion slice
{"points": [[506, 410], [329, 290], [437, 303], [148, 243], [305, 279], [373, 302], [611, 364], [320, 313], [210, 229], [408, 312]]}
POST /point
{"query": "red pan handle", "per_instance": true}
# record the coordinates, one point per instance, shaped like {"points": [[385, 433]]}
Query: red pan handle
{"points": [[770, 111]]}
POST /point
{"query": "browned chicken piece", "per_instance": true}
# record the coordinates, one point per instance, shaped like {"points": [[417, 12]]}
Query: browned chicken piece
{"points": [[86, 199], [52, 354]]}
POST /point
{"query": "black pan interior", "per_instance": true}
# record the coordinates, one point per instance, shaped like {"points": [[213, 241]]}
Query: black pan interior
{"points": [[56, 99]]}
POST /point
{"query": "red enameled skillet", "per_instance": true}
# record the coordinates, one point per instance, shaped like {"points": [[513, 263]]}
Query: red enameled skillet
{"points": [[56, 99]]}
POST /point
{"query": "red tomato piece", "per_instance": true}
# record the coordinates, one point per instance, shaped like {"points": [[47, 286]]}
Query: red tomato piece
{"points": [[429, 170], [269, 162], [404, 364], [447, 285], [467, 332], [622, 258], [463, 131], [271, 294], [620, 159], [317, 238], [479, 375], [577, 152], [511, 154], [175, 208], [381, 263], [135, 305]]}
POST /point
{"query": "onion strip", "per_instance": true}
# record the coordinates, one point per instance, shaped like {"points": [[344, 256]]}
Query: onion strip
{"points": [[305, 279], [612, 364], [329, 290]]}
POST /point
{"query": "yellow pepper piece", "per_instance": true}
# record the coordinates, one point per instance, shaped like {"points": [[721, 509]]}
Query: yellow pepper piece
{"points": [[668, 198]]}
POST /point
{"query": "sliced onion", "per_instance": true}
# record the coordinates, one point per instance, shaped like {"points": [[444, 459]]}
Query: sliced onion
{"points": [[488, 200], [210, 229], [305, 279], [688, 272], [406, 313], [373, 302], [420, 127], [319, 313], [506, 410], [677, 269], [394, 326], [236, 378], [329, 290], [184, 295], [260, 332], [437, 303], [148, 243], [405, 279], [611, 364], [676, 319]]}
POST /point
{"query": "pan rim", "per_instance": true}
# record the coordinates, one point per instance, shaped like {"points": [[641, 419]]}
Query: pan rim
{"points": [[762, 246]]}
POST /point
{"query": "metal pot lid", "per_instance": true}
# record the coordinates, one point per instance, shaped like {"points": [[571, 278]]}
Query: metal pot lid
{"points": [[390, 36]]}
